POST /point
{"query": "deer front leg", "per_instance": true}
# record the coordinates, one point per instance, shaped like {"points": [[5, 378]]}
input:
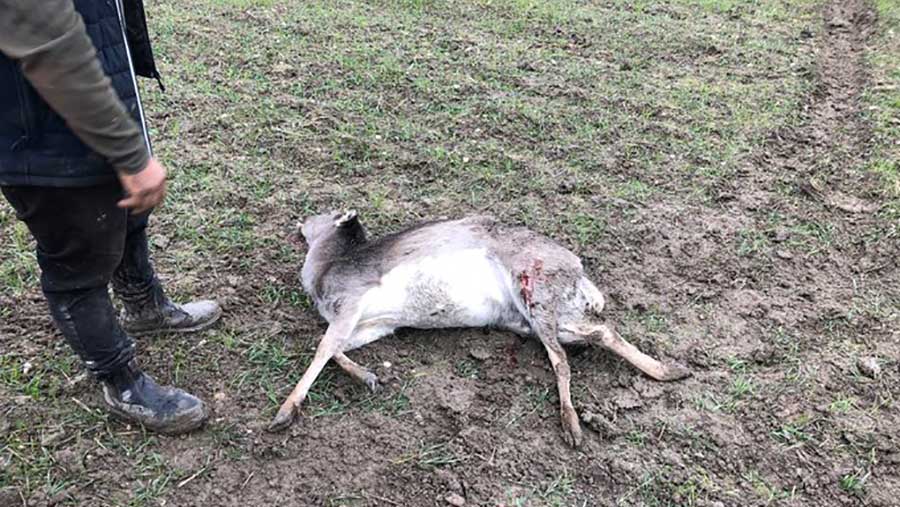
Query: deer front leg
{"points": [[571, 426], [333, 341], [545, 326]]}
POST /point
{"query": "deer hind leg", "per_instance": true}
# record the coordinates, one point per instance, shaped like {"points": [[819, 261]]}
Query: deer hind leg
{"points": [[356, 371], [604, 335], [366, 332]]}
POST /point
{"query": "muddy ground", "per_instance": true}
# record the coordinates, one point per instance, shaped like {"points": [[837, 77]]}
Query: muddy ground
{"points": [[734, 227]]}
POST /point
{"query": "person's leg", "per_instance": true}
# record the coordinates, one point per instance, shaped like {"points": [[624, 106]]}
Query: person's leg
{"points": [[80, 235], [147, 309], [80, 238], [134, 278]]}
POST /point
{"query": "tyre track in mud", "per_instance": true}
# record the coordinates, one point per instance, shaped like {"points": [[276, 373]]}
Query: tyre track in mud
{"points": [[834, 139], [823, 164], [821, 296]]}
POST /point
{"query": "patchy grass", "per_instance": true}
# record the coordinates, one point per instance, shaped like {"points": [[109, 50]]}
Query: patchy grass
{"points": [[659, 488], [624, 129], [556, 492], [842, 405], [854, 482], [793, 432], [430, 456], [493, 123], [18, 267], [883, 101]]}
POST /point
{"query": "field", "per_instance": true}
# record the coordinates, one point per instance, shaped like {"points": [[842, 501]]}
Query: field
{"points": [[727, 170]]}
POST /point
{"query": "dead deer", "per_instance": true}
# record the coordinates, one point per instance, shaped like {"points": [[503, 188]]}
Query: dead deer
{"points": [[473, 272]]}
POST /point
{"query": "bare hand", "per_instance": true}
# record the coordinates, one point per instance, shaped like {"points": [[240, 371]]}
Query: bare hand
{"points": [[146, 189]]}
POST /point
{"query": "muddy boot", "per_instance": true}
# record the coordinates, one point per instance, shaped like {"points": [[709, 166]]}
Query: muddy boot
{"points": [[151, 312], [147, 309], [135, 397]]}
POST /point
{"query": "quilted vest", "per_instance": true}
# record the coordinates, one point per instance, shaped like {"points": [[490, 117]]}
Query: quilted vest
{"points": [[37, 148]]}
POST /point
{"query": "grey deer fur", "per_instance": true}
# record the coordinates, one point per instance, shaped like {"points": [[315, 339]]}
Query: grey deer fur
{"points": [[472, 272]]}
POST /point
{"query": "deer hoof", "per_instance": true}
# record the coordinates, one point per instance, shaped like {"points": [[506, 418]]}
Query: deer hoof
{"points": [[371, 380], [282, 420], [571, 428], [675, 371]]}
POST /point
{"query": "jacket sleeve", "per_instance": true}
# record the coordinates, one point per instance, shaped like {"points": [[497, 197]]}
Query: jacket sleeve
{"points": [[49, 41]]}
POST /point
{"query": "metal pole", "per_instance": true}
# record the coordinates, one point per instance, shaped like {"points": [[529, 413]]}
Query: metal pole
{"points": [[120, 9]]}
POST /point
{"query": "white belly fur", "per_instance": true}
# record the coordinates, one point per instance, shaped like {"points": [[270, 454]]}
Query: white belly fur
{"points": [[459, 289]]}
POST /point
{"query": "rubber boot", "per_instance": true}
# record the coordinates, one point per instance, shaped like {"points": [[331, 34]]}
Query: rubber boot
{"points": [[133, 396]]}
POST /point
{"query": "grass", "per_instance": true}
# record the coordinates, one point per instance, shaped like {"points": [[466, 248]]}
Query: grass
{"points": [[637, 438], [430, 456], [578, 119], [39, 378], [658, 488], [793, 432], [738, 393], [268, 363], [883, 103], [536, 399], [514, 133], [18, 267], [765, 491], [842, 405], [853, 482], [34, 466], [741, 386], [646, 319], [155, 478], [558, 491], [812, 237], [467, 369], [752, 242]]}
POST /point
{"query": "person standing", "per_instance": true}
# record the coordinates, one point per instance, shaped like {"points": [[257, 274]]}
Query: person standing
{"points": [[77, 168]]}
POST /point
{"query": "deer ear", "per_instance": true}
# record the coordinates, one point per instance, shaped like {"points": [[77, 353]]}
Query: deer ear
{"points": [[346, 219]]}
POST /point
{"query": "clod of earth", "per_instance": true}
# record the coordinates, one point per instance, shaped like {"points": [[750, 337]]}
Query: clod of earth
{"points": [[69, 460], [455, 499], [869, 367], [480, 353], [9, 496], [53, 438]]}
